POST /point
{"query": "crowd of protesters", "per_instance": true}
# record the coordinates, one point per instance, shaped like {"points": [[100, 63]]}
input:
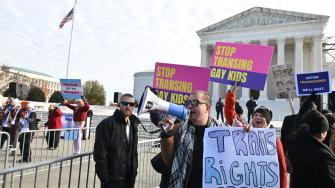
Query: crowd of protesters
{"points": [[305, 149], [18, 119]]}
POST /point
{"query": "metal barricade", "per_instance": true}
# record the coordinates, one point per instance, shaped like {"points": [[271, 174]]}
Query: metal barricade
{"points": [[71, 171], [78, 171], [34, 146], [4, 152]]}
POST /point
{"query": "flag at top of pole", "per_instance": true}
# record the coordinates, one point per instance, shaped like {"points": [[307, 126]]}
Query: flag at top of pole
{"points": [[67, 18]]}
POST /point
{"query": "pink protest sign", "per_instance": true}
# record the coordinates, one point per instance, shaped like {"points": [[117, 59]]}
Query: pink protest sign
{"points": [[174, 83], [247, 64]]}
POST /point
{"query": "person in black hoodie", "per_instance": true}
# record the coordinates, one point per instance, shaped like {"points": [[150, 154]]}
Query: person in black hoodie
{"points": [[312, 161], [115, 147]]}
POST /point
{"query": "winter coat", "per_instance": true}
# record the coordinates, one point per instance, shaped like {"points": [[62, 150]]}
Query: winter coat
{"points": [[313, 163], [116, 158], [79, 113], [229, 111], [55, 119]]}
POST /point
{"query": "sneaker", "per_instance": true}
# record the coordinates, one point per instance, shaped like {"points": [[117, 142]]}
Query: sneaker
{"points": [[51, 148]]}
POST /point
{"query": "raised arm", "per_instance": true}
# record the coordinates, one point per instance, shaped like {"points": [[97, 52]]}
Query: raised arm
{"points": [[229, 106], [69, 105]]}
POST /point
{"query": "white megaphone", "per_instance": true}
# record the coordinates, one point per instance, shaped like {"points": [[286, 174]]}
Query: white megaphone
{"points": [[150, 102]]}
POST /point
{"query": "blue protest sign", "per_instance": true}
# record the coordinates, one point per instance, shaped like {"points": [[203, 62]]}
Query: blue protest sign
{"points": [[71, 88], [318, 82]]}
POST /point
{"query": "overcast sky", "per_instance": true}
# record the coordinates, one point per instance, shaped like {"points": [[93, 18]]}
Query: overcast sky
{"points": [[114, 39]]}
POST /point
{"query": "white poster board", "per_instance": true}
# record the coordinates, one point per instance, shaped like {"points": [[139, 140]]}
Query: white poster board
{"points": [[235, 158]]}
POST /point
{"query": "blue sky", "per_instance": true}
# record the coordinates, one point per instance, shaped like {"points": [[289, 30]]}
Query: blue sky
{"points": [[114, 39]]}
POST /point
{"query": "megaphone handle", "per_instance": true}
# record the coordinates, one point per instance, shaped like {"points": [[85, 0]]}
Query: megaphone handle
{"points": [[164, 133]]}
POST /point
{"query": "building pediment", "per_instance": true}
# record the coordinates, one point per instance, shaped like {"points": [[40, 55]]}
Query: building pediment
{"points": [[259, 16]]}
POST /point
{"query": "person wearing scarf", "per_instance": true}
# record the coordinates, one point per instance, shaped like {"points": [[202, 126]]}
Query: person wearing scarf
{"points": [[182, 144]]}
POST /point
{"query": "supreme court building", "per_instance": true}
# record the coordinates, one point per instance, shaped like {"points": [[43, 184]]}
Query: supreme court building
{"points": [[296, 37]]}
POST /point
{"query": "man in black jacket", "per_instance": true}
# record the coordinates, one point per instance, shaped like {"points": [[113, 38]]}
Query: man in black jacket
{"points": [[115, 147]]}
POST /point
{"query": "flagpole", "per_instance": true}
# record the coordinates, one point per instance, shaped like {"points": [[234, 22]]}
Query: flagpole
{"points": [[69, 53]]}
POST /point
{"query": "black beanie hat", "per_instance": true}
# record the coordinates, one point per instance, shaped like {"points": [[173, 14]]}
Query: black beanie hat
{"points": [[317, 123], [265, 113]]}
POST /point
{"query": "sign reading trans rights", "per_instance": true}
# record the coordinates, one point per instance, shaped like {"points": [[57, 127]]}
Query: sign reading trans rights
{"points": [[235, 158], [247, 64], [174, 83], [318, 82], [71, 88]]}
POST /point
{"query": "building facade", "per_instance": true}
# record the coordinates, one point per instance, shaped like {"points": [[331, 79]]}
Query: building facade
{"points": [[296, 37], [24, 79]]}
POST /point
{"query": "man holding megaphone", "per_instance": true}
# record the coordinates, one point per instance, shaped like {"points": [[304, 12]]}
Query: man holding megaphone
{"points": [[180, 160]]}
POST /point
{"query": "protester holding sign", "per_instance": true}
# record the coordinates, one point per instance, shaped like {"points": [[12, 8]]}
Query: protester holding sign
{"points": [[261, 119], [79, 118], [182, 145]]}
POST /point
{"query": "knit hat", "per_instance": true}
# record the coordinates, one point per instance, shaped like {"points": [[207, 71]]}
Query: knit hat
{"points": [[317, 123], [265, 113]]}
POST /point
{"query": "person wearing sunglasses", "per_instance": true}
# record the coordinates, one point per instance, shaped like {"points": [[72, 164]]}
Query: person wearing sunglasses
{"points": [[79, 118], [181, 154], [115, 147]]}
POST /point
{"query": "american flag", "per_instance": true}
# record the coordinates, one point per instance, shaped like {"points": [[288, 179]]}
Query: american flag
{"points": [[67, 18]]}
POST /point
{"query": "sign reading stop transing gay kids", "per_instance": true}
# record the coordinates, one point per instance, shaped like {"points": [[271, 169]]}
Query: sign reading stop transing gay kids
{"points": [[247, 64], [174, 83]]}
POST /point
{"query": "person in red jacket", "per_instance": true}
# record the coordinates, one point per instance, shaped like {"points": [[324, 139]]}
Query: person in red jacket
{"points": [[232, 114], [79, 118], [54, 122], [261, 119]]}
